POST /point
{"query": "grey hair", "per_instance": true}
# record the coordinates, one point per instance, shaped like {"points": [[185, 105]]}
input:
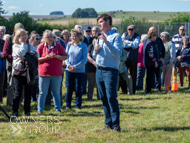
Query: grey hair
{"points": [[165, 34], [46, 32], [4, 28], [185, 37], [143, 37]]}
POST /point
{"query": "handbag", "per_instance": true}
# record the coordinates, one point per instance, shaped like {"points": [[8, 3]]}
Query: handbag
{"points": [[22, 66]]}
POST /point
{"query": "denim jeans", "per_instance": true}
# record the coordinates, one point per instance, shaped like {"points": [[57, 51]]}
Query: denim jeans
{"points": [[74, 80], [55, 83], [106, 80], [140, 77]]}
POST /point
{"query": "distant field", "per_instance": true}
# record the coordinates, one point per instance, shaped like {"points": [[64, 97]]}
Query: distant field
{"points": [[119, 16]]}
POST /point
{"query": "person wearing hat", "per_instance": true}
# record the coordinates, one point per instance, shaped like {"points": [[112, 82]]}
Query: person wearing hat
{"points": [[57, 37], [88, 41], [7, 54], [131, 41]]}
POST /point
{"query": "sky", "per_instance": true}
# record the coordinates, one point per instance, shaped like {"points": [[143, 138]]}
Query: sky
{"points": [[44, 7]]}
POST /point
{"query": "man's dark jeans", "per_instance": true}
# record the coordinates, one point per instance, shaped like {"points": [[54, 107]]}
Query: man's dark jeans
{"points": [[107, 86]]}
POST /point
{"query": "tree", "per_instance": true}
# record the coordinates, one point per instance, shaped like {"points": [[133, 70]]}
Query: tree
{"points": [[179, 17], [1, 9], [23, 17], [85, 13], [56, 13]]}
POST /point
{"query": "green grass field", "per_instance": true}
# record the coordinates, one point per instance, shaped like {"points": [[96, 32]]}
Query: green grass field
{"points": [[153, 118]]}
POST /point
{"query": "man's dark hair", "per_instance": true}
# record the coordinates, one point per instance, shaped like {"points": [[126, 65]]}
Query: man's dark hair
{"points": [[105, 18]]}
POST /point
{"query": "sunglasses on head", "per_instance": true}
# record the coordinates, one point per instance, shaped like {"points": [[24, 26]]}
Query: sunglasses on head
{"points": [[130, 29]]}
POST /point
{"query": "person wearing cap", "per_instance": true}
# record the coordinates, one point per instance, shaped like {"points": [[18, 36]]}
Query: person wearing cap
{"points": [[183, 55], [131, 41], [169, 60], [108, 52], [91, 65], [7, 54], [58, 35], [88, 41], [161, 54]]}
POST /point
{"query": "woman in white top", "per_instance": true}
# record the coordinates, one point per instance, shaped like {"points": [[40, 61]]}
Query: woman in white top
{"points": [[20, 48]]}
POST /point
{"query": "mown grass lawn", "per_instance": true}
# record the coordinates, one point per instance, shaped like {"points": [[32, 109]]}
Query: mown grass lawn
{"points": [[157, 117]]}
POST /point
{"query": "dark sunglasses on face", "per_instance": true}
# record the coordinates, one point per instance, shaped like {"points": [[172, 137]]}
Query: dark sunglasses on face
{"points": [[182, 29], [130, 29], [88, 31], [36, 38]]}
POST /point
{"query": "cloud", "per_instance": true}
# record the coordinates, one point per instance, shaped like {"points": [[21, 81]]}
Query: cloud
{"points": [[13, 7], [40, 5]]}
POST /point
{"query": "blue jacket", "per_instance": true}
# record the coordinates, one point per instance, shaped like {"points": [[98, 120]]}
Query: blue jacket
{"points": [[2, 65], [185, 55]]}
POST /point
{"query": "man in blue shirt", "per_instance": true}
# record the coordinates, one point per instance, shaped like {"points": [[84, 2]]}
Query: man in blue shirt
{"points": [[108, 52]]}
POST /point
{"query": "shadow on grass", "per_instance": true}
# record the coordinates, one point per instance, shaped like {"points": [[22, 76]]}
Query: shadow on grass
{"points": [[85, 114], [169, 129], [137, 99]]}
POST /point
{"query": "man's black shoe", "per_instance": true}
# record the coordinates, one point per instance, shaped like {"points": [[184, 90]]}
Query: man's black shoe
{"points": [[117, 129], [15, 114]]}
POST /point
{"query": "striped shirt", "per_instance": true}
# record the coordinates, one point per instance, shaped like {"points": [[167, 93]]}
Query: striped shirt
{"points": [[177, 41]]}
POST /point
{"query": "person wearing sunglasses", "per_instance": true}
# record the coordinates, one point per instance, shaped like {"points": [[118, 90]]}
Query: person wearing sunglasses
{"points": [[88, 41], [178, 44], [131, 41], [35, 41]]}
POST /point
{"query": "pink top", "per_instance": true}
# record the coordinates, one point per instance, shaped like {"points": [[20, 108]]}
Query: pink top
{"points": [[53, 66], [140, 55]]}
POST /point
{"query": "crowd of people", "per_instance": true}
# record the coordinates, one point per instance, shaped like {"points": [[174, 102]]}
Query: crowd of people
{"points": [[92, 57]]}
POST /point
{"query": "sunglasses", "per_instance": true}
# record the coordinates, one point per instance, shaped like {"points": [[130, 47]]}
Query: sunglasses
{"points": [[182, 29], [36, 38], [130, 29], [88, 31]]}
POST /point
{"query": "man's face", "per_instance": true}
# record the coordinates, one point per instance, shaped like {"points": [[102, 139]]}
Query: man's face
{"points": [[103, 24], [94, 32], [131, 31], [181, 30], [87, 33], [2, 33]]}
